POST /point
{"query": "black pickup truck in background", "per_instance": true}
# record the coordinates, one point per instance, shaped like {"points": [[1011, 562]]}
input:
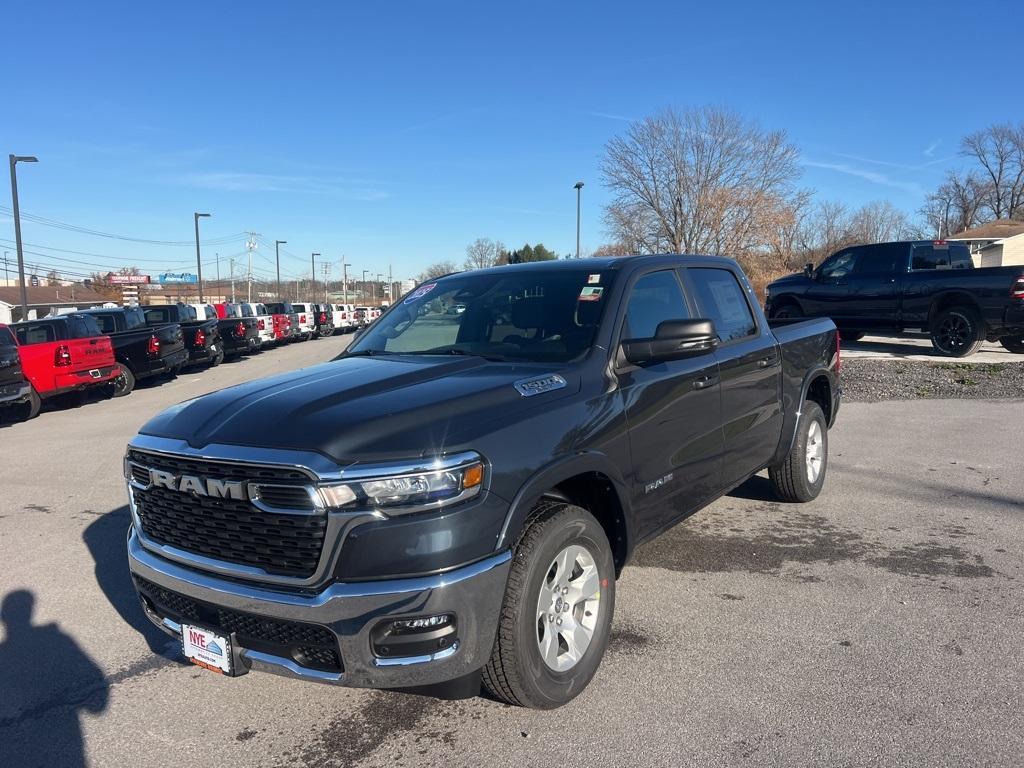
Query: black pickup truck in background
{"points": [[887, 288], [240, 334], [454, 497], [202, 336], [141, 351], [286, 308]]}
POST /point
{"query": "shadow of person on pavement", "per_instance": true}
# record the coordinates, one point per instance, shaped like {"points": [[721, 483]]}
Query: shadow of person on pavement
{"points": [[107, 540], [45, 679]]}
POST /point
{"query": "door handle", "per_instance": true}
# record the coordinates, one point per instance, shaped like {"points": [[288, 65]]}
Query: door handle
{"points": [[704, 382], [764, 362]]}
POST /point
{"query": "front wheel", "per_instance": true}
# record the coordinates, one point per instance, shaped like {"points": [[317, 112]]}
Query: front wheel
{"points": [[957, 332], [787, 311], [1013, 344], [557, 613], [801, 475]]}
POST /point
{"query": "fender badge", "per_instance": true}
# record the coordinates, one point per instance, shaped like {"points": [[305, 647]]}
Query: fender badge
{"points": [[539, 384]]}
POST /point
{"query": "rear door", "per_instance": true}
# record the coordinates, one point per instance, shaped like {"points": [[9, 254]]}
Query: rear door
{"points": [[673, 409], [750, 368]]}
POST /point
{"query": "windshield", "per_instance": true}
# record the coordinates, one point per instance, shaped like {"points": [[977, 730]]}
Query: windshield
{"points": [[541, 315]]}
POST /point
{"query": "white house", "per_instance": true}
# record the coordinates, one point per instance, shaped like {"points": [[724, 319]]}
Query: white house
{"points": [[43, 300], [996, 244]]}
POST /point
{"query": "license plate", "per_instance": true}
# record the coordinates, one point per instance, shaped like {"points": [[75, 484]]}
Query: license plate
{"points": [[206, 649]]}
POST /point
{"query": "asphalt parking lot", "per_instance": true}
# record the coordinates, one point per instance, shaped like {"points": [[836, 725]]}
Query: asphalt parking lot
{"points": [[878, 625]]}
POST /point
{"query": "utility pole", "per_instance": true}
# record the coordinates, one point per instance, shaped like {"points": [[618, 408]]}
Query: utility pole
{"points": [[217, 257], [15, 159], [7, 275], [327, 269], [364, 284], [233, 283], [277, 252], [199, 261], [391, 287], [579, 189], [250, 246], [344, 279]]}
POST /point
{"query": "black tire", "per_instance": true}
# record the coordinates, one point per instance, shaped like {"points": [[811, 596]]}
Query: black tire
{"points": [[792, 479], [957, 332], [852, 335], [787, 310], [217, 359], [1013, 344], [30, 409], [123, 384], [517, 672]]}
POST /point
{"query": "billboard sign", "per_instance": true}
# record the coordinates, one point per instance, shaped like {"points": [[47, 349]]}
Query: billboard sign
{"points": [[178, 278], [128, 279]]}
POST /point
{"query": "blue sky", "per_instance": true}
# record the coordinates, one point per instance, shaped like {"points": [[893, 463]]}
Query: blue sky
{"points": [[396, 133]]}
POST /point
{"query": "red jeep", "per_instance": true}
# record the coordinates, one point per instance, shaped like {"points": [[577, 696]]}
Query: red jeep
{"points": [[63, 354]]}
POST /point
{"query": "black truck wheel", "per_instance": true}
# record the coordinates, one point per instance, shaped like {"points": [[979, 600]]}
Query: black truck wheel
{"points": [[557, 613], [217, 358], [1013, 344], [123, 384], [31, 407], [957, 332], [801, 475], [785, 311]]}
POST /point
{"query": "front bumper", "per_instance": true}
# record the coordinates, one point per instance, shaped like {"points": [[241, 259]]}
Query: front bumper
{"points": [[349, 611]]}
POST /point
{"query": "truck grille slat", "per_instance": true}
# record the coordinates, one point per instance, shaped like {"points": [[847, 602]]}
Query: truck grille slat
{"points": [[230, 530]]}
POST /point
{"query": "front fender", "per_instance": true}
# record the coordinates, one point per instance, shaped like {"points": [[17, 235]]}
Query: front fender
{"points": [[549, 476]]}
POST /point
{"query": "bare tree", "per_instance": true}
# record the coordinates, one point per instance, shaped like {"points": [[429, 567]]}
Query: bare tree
{"points": [[483, 252], [439, 269], [699, 181], [956, 205], [999, 150]]}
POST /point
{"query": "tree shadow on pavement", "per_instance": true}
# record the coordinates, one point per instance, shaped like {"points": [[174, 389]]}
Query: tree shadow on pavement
{"points": [[45, 680], [107, 541]]}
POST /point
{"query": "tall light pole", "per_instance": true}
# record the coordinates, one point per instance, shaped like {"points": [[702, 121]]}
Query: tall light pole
{"points": [[15, 159], [380, 279], [344, 279], [364, 283], [277, 253], [199, 262], [217, 257], [312, 272], [578, 186]]}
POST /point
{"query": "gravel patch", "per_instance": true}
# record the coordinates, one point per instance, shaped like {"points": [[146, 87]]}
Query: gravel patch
{"points": [[875, 380]]}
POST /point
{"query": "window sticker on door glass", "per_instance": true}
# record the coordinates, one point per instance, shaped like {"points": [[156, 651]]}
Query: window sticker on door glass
{"points": [[593, 279], [591, 293]]}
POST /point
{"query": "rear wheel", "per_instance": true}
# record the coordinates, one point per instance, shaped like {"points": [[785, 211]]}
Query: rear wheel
{"points": [[557, 613], [123, 384], [217, 358], [30, 409], [786, 311], [957, 332], [1013, 344], [801, 475]]}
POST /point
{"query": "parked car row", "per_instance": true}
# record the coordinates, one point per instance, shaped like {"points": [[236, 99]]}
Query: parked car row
{"points": [[114, 348]]}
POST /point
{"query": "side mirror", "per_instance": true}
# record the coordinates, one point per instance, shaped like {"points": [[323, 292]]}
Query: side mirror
{"points": [[673, 340], [809, 270]]}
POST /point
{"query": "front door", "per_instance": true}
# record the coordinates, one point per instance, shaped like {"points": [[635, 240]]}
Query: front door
{"points": [[673, 410]]}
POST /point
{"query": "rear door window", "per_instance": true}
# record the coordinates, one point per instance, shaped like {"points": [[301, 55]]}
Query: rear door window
{"points": [[106, 323], [84, 327], [880, 259], [721, 298], [960, 257], [930, 256]]}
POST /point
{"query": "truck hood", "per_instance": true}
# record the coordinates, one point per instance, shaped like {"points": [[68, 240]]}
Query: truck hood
{"points": [[362, 408], [790, 281]]}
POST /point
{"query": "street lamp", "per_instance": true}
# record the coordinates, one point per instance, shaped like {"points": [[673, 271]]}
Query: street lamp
{"points": [[344, 279], [312, 273], [199, 263], [364, 283], [578, 186], [277, 253], [15, 159]]}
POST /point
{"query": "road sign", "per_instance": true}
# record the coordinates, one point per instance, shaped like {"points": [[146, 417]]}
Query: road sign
{"points": [[178, 278], [128, 279]]}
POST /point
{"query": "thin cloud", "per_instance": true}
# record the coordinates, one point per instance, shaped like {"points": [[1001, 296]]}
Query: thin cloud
{"points": [[929, 151], [607, 115], [234, 181], [862, 173], [890, 164]]}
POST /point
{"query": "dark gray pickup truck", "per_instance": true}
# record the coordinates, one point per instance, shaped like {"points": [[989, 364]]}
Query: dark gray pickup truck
{"points": [[452, 499]]}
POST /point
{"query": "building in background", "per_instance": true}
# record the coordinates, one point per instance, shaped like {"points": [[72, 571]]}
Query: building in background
{"points": [[996, 244], [45, 300]]}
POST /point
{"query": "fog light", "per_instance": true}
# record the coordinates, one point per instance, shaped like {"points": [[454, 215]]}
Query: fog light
{"points": [[424, 622], [415, 636]]}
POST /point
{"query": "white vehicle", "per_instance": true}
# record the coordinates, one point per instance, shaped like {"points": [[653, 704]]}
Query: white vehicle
{"points": [[307, 320], [364, 316], [205, 311], [344, 317], [264, 322]]}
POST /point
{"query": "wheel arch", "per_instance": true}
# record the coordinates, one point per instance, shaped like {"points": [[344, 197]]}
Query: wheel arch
{"points": [[952, 298], [818, 385], [588, 480]]}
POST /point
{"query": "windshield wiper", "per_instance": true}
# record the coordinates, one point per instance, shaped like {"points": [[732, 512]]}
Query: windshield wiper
{"points": [[442, 352], [364, 353]]}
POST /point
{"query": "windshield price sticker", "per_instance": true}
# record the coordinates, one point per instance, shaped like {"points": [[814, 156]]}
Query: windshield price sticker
{"points": [[591, 293], [419, 293]]}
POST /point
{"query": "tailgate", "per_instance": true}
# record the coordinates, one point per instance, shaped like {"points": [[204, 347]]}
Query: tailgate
{"points": [[88, 354], [172, 339], [10, 366]]}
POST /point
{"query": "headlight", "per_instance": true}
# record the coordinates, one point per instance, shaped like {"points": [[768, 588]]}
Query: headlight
{"points": [[414, 491]]}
